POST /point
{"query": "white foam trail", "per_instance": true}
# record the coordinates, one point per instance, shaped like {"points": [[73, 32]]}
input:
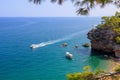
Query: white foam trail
{"points": [[49, 42], [58, 40]]}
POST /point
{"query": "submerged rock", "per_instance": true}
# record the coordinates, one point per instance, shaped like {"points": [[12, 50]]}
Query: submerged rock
{"points": [[64, 44], [76, 46]]}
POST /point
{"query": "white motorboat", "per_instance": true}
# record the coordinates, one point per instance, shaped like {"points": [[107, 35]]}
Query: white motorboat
{"points": [[69, 55], [34, 46]]}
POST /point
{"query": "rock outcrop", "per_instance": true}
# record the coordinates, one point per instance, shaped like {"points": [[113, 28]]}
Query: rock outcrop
{"points": [[104, 40], [86, 45], [64, 44]]}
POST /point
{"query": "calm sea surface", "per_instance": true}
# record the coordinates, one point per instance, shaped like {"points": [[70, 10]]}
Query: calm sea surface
{"points": [[19, 62]]}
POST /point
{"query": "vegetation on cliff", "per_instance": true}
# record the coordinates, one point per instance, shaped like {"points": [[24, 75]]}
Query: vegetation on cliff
{"points": [[106, 36], [112, 23]]}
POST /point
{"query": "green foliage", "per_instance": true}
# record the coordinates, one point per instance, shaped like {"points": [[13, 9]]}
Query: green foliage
{"points": [[84, 6], [99, 72], [117, 69], [75, 76], [86, 75], [113, 21], [87, 69], [117, 30], [81, 76], [117, 40], [117, 14]]}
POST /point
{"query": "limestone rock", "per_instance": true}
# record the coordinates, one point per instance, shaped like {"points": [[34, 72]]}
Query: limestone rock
{"points": [[104, 40]]}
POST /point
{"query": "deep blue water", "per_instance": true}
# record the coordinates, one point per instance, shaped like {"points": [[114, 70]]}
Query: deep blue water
{"points": [[19, 62]]}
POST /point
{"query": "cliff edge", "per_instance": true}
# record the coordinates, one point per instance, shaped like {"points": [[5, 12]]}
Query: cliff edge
{"points": [[106, 36]]}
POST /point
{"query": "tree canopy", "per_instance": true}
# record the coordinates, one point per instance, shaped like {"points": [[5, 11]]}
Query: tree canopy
{"points": [[111, 21], [84, 6]]}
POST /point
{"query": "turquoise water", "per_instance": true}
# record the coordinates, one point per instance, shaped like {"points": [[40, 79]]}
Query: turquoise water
{"points": [[19, 62]]}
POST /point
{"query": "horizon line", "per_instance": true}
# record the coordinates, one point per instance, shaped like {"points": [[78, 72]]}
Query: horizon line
{"points": [[46, 16]]}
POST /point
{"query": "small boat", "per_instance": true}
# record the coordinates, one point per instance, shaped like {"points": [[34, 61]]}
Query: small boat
{"points": [[69, 55], [34, 46]]}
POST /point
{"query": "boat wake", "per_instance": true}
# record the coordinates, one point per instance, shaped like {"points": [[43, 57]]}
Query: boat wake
{"points": [[58, 40], [47, 43]]}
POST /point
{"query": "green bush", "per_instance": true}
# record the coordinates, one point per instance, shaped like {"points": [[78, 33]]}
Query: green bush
{"points": [[99, 72], [87, 69], [117, 69], [112, 22], [117, 30], [75, 76], [86, 75], [81, 76], [117, 40]]}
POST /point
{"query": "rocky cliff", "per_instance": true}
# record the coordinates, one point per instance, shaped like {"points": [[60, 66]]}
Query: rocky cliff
{"points": [[104, 40], [106, 36]]}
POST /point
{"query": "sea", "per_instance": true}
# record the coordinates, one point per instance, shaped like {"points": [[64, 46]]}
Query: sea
{"points": [[46, 62]]}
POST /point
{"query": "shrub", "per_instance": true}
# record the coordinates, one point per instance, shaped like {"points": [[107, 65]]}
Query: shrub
{"points": [[117, 40], [99, 71], [81, 76], [75, 76], [86, 75], [117, 69], [87, 69], [117, 30], [113, 21]]}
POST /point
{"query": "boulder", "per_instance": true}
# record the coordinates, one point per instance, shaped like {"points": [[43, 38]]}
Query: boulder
{"points": [[64, 44], [86, 45]]}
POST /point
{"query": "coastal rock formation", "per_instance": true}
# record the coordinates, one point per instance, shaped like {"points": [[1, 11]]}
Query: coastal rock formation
{"points": [[106, 36], [86, 45], [103, 40]]}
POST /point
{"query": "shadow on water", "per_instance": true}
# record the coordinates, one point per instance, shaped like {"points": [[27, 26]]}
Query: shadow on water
{"points": [[100, 54], [95, 57], [91, 58], [106, 56]]}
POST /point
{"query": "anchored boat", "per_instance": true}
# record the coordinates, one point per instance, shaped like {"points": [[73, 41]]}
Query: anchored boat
{"points": [[69, 55]]}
